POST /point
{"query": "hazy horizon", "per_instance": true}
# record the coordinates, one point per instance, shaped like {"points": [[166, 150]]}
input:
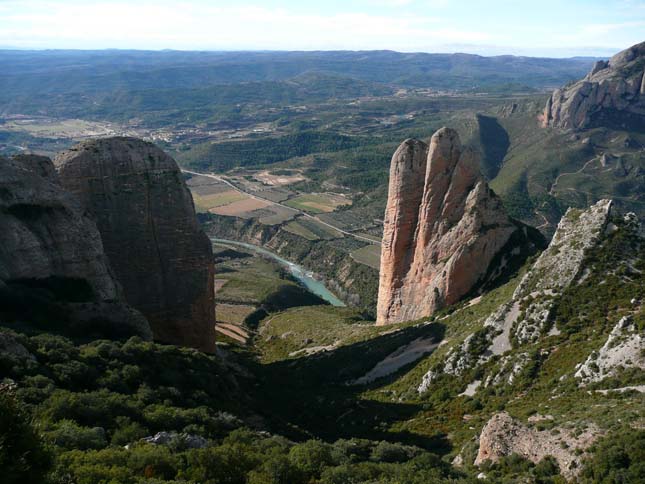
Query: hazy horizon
{"points": [[551, 28], [590, 55]]}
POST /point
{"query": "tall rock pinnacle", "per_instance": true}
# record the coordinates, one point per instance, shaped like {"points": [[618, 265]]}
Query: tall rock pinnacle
{"points": [[443, 228], [146, 218]]}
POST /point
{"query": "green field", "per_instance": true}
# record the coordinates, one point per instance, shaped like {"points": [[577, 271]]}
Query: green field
{"points": [[369, 255], [311, 229], [203, 203], [318, 202]]}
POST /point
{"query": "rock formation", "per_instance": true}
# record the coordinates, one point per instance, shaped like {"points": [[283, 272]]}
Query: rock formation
{"points": [[52, 261], [528, 315], [624, 348], [553, 272], [503, 436], [443, 228], [613, 87], [146, 217]]}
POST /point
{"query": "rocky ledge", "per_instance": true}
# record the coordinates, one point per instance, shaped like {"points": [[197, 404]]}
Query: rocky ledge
{"points": [[503, 435]]}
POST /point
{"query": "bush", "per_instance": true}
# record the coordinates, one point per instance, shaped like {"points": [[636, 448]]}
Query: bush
{"points": [[617, 458], [311, 457], [23, 457], [69, 435], [392, 452]]}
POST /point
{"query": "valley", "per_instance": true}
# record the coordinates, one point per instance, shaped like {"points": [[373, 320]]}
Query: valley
{"points": [[321, 268]]}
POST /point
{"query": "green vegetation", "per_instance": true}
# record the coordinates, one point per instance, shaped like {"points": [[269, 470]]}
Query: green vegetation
{"points": [[262, 151], [370, 255], [23, 457], [318, 202], [203, 203], [619, 457]]}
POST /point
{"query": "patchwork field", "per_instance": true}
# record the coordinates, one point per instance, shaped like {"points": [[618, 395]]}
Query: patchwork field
{"points": [[276, 214], [241, 207], [209, 193], [61, 128], [311, 229], [274, 194], [370, 255], [318, 202]]}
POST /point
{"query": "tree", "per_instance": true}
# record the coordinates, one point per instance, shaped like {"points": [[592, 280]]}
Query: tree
{"points": [[23, 456]]}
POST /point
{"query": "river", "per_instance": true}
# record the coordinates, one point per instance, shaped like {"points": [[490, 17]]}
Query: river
{"points": [[303, 276]]}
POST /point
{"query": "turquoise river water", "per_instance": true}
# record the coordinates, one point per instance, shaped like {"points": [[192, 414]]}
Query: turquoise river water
{"points": [[298, 272]]}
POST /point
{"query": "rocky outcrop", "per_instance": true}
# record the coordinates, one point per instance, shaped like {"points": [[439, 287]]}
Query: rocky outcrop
{"points": [[616, 87], [528, 314], [443, 229], [52, 261], [554, 271], [624, 348], [503, 436], [145, 214]]}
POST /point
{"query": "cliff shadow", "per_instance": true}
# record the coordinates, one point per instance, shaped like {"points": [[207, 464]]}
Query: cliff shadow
{"points": [[309, 396], [494, 142]]}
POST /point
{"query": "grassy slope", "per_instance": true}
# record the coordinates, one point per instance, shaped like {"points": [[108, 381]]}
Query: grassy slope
{"points": [[585, 315]]}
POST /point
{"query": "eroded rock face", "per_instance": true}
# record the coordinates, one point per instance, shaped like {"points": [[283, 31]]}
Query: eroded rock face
{"points": [[553, 272], [624, 349], [443, 227], [503, 436], [612, 89], [146, 218], [50, 248]]}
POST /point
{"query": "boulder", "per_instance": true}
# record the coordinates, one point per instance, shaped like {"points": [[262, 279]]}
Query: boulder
{"points": [[503, 435]]}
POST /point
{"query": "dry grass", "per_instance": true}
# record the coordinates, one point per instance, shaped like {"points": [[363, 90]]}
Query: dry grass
{"points": [[233, 313]]}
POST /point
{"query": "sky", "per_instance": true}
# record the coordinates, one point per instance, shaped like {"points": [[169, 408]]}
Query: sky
{"points": [[550, 28]]}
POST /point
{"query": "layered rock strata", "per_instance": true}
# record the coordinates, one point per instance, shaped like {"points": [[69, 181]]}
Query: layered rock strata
{"points": [[145, 214], [614, 88], [443, 228], [52, 261]]}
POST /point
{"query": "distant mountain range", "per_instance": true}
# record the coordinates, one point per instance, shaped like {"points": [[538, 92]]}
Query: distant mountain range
{"points": [[60, 71]]}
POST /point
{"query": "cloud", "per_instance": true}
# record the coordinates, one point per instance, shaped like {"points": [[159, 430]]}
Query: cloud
{"points": [[194, 26]]}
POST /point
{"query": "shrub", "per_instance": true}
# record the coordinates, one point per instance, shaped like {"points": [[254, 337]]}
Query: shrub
{"points": [[23, 457], [392, 452], [617, 458], [311, 457], [69, 435]]}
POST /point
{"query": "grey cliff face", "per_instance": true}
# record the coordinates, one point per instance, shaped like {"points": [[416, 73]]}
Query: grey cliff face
{"points": [[47, 242], [614, 88], [146, 217]]}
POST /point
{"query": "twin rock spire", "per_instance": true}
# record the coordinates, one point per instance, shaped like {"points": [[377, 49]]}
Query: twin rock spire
{"points": [[443, 228]]}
